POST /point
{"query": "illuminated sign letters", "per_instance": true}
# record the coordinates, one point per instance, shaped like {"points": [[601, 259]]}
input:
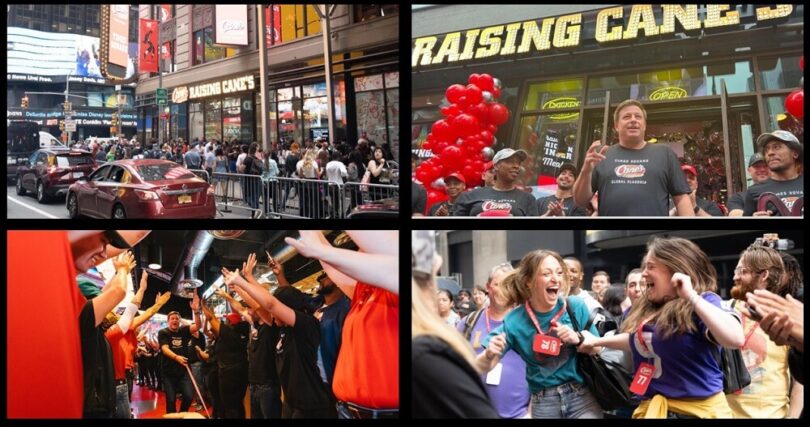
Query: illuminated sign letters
{"points": [[565, 32], [224, 87]]}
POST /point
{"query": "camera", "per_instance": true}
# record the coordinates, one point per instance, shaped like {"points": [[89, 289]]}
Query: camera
{"points": [[773, 241]]}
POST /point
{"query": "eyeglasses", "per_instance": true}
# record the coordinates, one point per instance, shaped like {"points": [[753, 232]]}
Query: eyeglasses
{"points": [[742, 270]]}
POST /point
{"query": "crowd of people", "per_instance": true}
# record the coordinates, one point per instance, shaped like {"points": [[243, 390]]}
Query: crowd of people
{"points": [[334, 355], [518, 353], [317, 160], [614, 179]]}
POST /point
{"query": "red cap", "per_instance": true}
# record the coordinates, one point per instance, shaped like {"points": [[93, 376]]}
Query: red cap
{"points": [[457, 176], [233, 318], [689, 168]]}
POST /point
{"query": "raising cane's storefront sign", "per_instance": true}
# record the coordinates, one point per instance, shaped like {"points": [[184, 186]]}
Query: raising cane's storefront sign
{"points": [[610, 26], [224, 87]]}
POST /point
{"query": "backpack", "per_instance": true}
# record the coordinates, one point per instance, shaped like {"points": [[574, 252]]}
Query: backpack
{"points": [[603, 320], [470, 321], [256, 167]]}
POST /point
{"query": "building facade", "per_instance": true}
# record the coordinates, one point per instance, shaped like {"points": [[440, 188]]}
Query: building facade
{"points": [[712, 77], [214, 89], [54, 48]]}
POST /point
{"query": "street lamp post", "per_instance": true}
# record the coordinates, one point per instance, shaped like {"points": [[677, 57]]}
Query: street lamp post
{"points": [[67, 92]]}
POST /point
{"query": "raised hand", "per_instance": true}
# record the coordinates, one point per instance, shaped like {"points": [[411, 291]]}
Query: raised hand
{"points": [[312, 244], [683, 285], [162, 299], [230, 277], [595, 155], [124, 262], [275, 266], [195, 302], [249, 265]]}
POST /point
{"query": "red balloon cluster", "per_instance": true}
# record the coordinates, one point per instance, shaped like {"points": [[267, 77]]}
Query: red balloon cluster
{"points": [[794, 103], [469, 125]]}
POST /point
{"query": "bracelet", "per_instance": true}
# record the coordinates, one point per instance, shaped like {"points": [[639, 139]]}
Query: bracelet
{"points": [[694, 298], [581, 339]]}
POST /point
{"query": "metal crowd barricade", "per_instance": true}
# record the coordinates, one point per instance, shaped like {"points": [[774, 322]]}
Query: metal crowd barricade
{"points": [[240, 191], [355, 194], [202, 173], [301, 198]]}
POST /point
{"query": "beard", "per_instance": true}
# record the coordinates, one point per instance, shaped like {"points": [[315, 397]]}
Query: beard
{"points": [[326, 290], [741, 288]]}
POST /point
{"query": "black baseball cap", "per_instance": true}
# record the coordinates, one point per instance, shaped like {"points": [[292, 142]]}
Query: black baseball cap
{"points": [[116, 240], [567, 166], [755, 158], [291, 297]]}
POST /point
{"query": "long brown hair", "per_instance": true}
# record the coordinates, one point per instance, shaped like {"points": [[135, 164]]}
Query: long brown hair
{"points": [[675, 316], [516, 287]]}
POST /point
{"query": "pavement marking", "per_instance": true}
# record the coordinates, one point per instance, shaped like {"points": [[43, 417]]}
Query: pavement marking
{"points": [[39, 211]]}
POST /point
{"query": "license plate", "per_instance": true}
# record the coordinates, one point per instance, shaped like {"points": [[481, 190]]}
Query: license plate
{"points": [[184, 199], [77, 175]]}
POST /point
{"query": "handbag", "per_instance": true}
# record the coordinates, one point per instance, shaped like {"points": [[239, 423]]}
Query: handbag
{"points": [[608, 381], [732, 364]]}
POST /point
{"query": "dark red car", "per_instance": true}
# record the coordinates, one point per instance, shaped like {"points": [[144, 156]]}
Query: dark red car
{"points": [[383, 208], [50, 171], [145, 188]]}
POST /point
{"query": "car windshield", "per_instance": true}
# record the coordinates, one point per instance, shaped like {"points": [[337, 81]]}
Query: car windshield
{"points": [[67, 160], [162, 171]]}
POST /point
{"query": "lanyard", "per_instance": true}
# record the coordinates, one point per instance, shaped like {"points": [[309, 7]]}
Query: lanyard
{"points": [[639, 331], [486, 319], [554, 319]]}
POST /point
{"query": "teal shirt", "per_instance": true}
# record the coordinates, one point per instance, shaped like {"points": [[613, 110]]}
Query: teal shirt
{"points": [[520, 332]]}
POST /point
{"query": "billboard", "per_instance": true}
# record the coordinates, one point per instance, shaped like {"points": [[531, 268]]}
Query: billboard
{"points": [[66, 54], [119, 34], [231, 27], [148, 56]]}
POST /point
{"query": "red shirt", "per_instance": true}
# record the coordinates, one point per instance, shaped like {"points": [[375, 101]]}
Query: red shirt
{"points": [[123, 350], [367, 370], [44, 364]]}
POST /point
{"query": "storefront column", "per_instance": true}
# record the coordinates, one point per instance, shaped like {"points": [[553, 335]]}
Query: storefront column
{"points": [[325, 12], [263, 109]]}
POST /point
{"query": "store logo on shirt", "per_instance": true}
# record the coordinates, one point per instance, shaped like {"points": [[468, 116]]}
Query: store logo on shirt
{"points": [[630, 171], [789, 201], [493, 208]]}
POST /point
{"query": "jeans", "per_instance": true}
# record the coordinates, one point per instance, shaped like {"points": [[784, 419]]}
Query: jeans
{"points": [[570, 400], [196, 369], [265, 401], [172, 385], [345, 412], [121, 401]]}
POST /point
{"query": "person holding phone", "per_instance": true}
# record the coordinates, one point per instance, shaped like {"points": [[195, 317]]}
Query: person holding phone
{"points": [[772, 392], [674, 333]]}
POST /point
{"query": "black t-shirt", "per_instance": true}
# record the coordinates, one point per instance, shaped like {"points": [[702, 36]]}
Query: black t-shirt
{"points": [[232, 344], [211, 364], [569, 207], [638, 182], [788, 191], [487, 200], [97, 363], [199, 341], [297, 364], [178, 343], [446, 385], [436, 207], [418, 198], [262, 355], [709, 206], [290, 163], [737, 201]]}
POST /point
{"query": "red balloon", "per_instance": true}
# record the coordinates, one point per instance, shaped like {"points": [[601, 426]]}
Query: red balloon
{"points": [[465, 125], [479, 110], [434, 196], [439, 147], [474, 79], [441, 129], [454, 110], [454, 92], [492, 129], [427, 145], [496, 93], [498, 114], [486, 136], [794, 104], [473, 94], [452, 157], [422, 174], [486, 82]]}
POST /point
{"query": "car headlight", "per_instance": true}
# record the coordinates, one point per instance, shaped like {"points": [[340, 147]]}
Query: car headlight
{"points": [[147, 195]]}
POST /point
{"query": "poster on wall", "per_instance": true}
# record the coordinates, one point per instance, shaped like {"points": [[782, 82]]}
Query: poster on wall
{"points": [[148, 55], [119, 34]]}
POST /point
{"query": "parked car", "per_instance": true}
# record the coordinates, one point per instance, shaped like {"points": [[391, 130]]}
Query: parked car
{"points": [[49, 172], [142, 188]]}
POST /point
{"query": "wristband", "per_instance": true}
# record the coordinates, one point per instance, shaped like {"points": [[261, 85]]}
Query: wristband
{"points": [[581, 339]]}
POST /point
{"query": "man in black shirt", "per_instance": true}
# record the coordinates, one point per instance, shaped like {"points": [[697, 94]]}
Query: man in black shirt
{"points": [[784, 154], [633, 178], [231, 352], [174, 345], [195, 362], [562, 202], [759, 172], [504, 198], [455, 185], [702, 206]]}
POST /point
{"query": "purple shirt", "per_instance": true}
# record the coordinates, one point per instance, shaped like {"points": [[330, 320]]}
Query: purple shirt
{"points": [[511, 396], [685, 363]]}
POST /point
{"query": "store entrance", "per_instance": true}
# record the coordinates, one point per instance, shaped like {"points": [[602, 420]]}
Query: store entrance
{"points": [[695, 132]]}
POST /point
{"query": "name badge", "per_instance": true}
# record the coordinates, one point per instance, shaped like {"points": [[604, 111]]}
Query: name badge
{"points": [[544, 344], [494, 376], [642, 378]]}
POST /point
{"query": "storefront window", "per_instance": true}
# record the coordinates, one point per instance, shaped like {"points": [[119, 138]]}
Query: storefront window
{"points": [[231, 119], [316, 114], [377, 108], [167, 57], [550, 140], [674, 83], [289, 114], [197, 50], [212, 52], [554, 95], [247, 119], [273, 118], [296, 21], [213, 120], [780, 72], [774, 111], [365, 12], [196, 121]]}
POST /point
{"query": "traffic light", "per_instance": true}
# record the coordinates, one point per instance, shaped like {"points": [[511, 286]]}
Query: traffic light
{"points": [[62, 125], [24, 102], [113, 130], [115, 119]]}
